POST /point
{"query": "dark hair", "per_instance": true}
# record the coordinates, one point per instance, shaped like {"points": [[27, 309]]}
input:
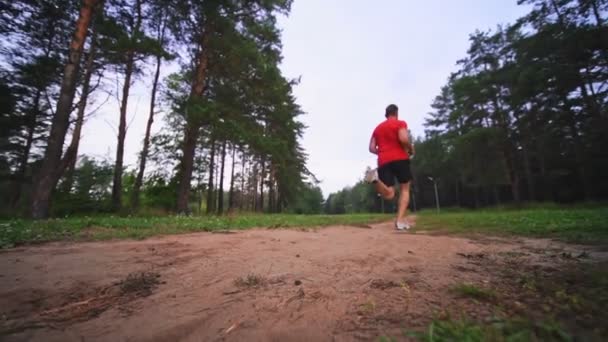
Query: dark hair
{"points": [[391, 110]]}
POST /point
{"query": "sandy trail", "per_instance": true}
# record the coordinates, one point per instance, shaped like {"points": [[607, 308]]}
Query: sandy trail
{"points": [[354, 284]]}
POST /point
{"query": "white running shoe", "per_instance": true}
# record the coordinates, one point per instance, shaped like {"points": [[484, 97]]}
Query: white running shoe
{"points": [[371, 175], [402, 225]]}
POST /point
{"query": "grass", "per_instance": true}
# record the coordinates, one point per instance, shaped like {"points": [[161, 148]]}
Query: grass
{"points": [[576, 224], [499, 330], [472, 291], [16, 232], [251, 280]]}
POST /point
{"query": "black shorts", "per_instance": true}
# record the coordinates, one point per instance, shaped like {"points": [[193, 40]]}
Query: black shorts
{"points": [[399, 169]]}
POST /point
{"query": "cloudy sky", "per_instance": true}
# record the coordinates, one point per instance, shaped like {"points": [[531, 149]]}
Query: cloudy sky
{"points": [[354, 57]]}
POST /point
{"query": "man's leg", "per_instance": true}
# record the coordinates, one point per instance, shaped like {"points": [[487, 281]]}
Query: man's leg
{"points": [[403, 174], [404, 201], [387, 192], [379, 178]]}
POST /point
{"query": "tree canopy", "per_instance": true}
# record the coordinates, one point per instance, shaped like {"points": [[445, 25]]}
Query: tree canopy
{"points": [[230, 122], [524, 117]]}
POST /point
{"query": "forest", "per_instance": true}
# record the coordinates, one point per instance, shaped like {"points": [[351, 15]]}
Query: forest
{"points": [[219, 231], [228, 110], [523, 119]]}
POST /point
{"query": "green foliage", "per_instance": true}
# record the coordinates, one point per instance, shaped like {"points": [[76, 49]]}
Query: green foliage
{"points": [[432, 156], [8, 128], [500, 330], [32, 56], [17, 231], [246, 102], [91, 189], [523, 118], [309, 201], [361, 198], [479, 159], [122, 31], [160, 194], [520, 118]]}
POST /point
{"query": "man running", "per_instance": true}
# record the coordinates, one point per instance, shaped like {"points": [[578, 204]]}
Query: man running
{"points": [[391, 142]]}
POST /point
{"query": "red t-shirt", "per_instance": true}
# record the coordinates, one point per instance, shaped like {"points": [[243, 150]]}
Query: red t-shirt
{"points": [[387, 140]]}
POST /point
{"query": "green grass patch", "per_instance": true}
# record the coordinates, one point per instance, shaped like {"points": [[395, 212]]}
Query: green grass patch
{"points": [[576, 224], [498, 331], [16, 232], [472, 291]]}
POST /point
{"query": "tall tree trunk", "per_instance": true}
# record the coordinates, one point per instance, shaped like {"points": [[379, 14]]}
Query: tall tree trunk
{"points": [[192, 125], [579, 161], [199, 207], [512, 173], [560, 18], [144, 152], [542, 164], [220, 195], [46, 178], [187, 164], [216, 174], [581, 168], [460, 191], [68, 163], [508, 149], [253, 188], [280, 201], [595, 8], [530, 181], [122, 126], [146, 145], [210, 186], [596, 13], [262, 177], [231, 191], [19, 183], [496, 194], [200, 175], [243, 165], [122, 132], [271, 194]]}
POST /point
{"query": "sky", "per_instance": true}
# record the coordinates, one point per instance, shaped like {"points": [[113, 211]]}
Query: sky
{"points": [[354, 58]]}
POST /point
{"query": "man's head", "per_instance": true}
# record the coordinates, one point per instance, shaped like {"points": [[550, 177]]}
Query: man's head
{"points": [[392, 110]]}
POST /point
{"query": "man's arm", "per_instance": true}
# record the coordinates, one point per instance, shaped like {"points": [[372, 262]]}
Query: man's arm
{"points": [[373, 147], [404, 139]]}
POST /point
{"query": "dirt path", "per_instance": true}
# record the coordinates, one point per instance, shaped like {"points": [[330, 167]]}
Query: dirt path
{"points": [[332, 284]]}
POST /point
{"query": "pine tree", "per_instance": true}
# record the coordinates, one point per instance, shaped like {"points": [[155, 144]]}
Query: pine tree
{"points": [[47, 177]]}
